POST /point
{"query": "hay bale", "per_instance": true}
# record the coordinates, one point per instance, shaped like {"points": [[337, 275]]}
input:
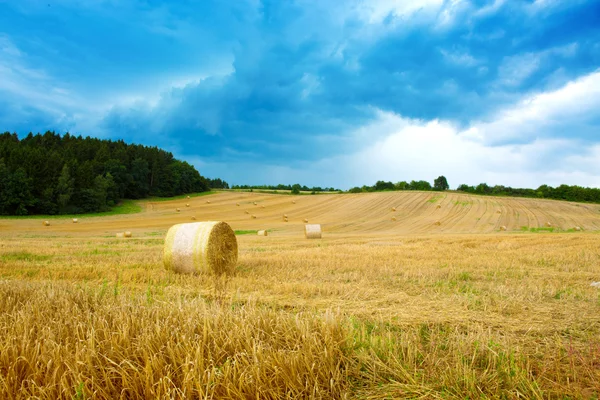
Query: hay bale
{"points": [[187, 197], [393, 208], [437, 223], [503, 228], [263, 233], [246, 212], [46, 223], [498, 212], [293, 201], [187, 204], [577, 228], [438, 207], [193, 217], [312, 231], [120, 235], [548, 224], [75, 220], [196, 247], [393, 218], [262, 206], [177, 209], [306, 220], [127, 234], [253, 216], [285, 216], [207, 201], [285, 220], [237, 204]]}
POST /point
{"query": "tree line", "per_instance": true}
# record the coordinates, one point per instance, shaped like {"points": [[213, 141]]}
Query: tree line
{"points": [[54, 174], [562, 192], [295, 188]]}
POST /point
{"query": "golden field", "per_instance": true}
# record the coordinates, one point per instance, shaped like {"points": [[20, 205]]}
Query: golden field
{"points": [[437, 304]]}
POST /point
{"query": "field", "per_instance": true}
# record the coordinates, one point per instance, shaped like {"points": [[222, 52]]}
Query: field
{"points": [[438, 303]]}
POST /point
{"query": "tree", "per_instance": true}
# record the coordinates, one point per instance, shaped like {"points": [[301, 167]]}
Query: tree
{"points": [[296, 188], [64, 188], [441, 183]]}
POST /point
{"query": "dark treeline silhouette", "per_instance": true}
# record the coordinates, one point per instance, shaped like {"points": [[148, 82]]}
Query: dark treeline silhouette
{"points": [[295, 188], [440, 183], [562, 192], [54, 174]]}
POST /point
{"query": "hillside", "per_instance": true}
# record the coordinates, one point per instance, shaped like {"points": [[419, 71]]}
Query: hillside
{"points": [[344, 214]]}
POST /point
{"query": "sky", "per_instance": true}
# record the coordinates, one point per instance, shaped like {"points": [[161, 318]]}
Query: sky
{"points": [[325, 93]]}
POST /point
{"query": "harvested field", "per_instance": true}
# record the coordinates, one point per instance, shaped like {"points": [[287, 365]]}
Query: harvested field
{"points": [[375, 309]]}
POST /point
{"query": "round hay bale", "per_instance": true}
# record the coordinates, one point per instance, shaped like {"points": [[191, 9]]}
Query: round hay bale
{"points": [[393, 208], [46, 223], [263, 233], [246, 212], [503, 228], [438, 207], [498, 211], [306, 220], [193, 217], [197, 247], [393, 218], [293, 201], [285, 216], [187, 204], [577, 228], [127, 234], [312, 231], [187, 197], [177, 209], [262, 206], [253, 216], [255, 203], [207, 201], [120, 235], [75, 220], [237, 204], [437, 223], [548, 224]]}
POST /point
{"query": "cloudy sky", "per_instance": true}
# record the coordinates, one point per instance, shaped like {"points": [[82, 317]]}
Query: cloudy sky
{"points": [[321, 92]]}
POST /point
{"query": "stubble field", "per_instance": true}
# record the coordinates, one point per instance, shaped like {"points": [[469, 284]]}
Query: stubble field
{"points": [[437, 304]]}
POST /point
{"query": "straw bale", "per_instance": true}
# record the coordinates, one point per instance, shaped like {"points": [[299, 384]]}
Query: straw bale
{"points": [[187, 197], [577, 228], [255, 203], [306, 220], [393, 208], [548, 224], [253, 216], [438, 206], [127, 234], [247, 212], [120, 235], [200, 247], [503, 228], [177, 209], [498, 211], [46, 223], [312, 231], [75, 220], [193, 217], [187, 204], [263, 233], [437, 223], [393, 218], [293, 201], [207, 201], [237, 204]]}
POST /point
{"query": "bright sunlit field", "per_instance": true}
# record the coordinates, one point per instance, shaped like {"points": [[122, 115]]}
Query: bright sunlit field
{"points": [[438, 303]]}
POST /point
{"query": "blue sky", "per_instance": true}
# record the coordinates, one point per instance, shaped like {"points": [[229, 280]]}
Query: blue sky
{"points": [[329, 93]]}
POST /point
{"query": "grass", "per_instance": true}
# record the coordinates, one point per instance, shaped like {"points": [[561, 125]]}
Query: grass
{"points": [[246, 232], [183, 196], [541, 229], [124, 207]]}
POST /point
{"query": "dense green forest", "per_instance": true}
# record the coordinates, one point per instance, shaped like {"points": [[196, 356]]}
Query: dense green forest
{"points": [[562, 192], [54, 174]]}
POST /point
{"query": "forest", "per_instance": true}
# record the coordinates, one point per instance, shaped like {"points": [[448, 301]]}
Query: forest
{"points": [[53, 174]]}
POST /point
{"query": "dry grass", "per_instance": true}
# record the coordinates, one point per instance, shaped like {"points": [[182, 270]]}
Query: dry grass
{"points": [[371, 314]]}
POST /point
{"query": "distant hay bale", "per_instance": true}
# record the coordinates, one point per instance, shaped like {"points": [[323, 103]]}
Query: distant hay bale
{"points": [[177, 209], [246, 212], [120, 235], [437, 223], [75, 220], [197, 247], [46, 223], [262, 206], [393, 208], [207, 201], [127, 234], [312, 231], [306, 220], [255, 203], [193, 217], [577, 228], [285, 220], [548, 224], [293, 201], [498, 212], [187, 197], [438, 206], [237, 204], [285, 216], [187, 204], [393, 218], [253, 216], [263, 233], [503, 228]]}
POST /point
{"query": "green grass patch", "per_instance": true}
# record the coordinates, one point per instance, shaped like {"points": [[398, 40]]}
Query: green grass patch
{"points": [[183, 196], [124, 207], [247, 232], [23, 256], [462, 203], [539, 230], [435, 198]]}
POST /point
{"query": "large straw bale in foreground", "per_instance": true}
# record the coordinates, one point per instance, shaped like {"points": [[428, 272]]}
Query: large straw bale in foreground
{"points": [[197, 247], [312, 231]]}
